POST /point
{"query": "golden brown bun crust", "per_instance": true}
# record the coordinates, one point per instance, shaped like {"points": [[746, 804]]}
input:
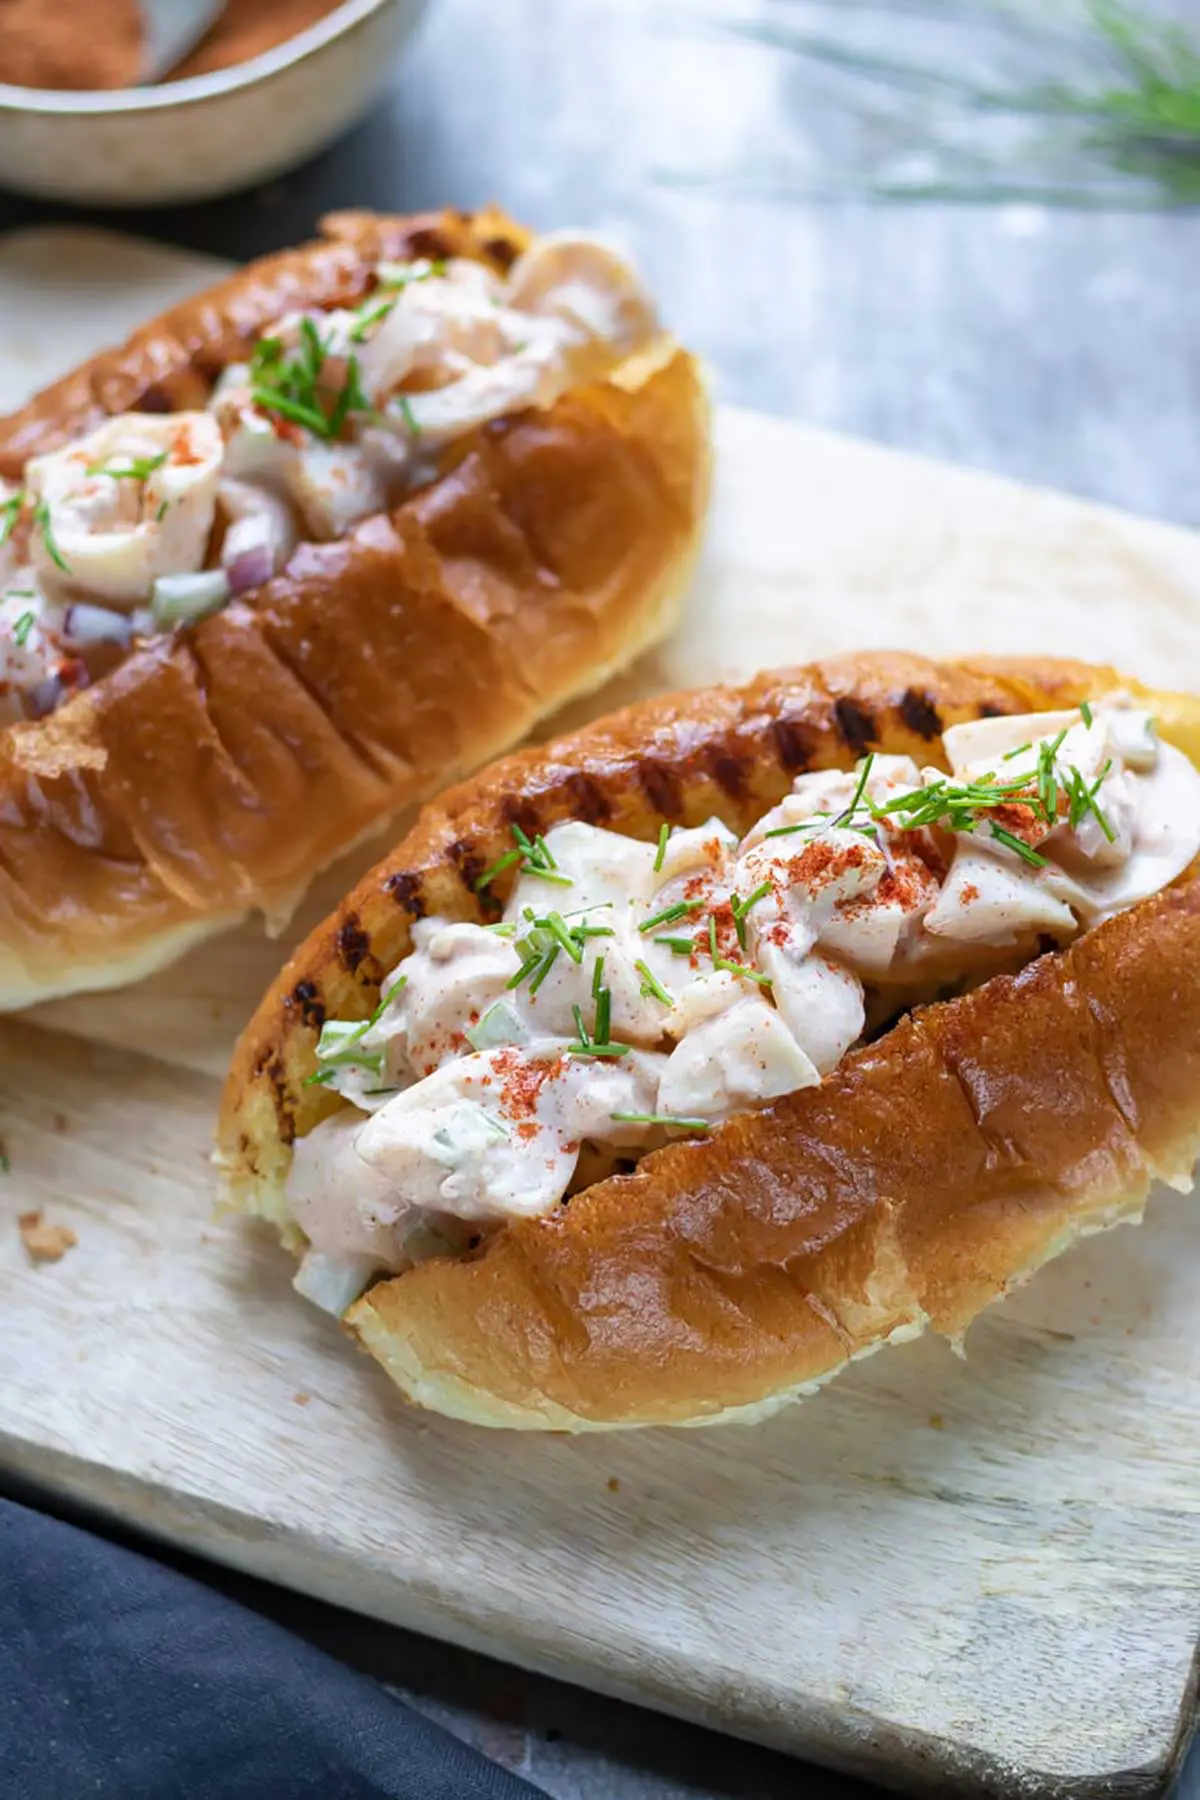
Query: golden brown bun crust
{"points": [[221, 768], [924, 1176]]}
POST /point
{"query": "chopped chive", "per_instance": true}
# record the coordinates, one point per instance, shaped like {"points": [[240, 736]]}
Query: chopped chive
{"points": [[552, 875], [406, 413], [271, 400], [663, 835], [161, 514], [319, 1078], [369, 315], [577, 1015], [41, 518], [418, 271], [725, 962], [555, 924], [597, 978], [10, 512], [22, 628], [679, 1124], [740, 908], [548, 962], [1085, 712], [603, 1026], [678, 946], [599, 1049], [1025, 851], [651, 985], [528, 964], [669, 914], [498, 867], [1020, 750], [867, 765], [138, 468]]}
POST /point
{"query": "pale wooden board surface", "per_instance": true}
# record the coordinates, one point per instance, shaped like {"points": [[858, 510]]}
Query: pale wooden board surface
{"points": [[939, 1572]]}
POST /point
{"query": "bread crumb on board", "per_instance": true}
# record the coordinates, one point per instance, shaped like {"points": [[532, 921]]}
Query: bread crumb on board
{"points": [[44, 1243]]}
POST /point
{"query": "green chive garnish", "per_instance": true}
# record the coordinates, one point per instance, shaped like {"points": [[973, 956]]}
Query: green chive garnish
{"points": [[138, 468], [663, 834], [41, 518], [669, 914], [651, 985], [678, 1124]]}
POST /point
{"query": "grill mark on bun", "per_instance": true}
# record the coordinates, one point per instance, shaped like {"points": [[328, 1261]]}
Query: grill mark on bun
{"points": [[856, 723], [353, 944], [524, 813], [794, 744], [306, 997], [589, 801], [920, 714], [728, 770], [428, 241], [469, 865], [502, 251], [405, 889], [661, 786]]}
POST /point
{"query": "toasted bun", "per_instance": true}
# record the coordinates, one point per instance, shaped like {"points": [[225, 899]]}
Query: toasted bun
{"points": [[927, 1174], [219, 769]]}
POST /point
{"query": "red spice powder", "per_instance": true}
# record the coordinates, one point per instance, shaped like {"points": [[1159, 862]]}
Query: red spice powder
{"points": [[907, 883], [522, 1081], [1021, 821], [819, 864]]}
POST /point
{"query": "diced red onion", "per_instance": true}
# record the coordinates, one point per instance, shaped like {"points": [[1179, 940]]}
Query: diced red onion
{"points": [[87, 624], [44, 697], [250, 568]]}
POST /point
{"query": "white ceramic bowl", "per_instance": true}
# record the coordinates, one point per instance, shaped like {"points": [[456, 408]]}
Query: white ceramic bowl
{"points": [[189, 140]]}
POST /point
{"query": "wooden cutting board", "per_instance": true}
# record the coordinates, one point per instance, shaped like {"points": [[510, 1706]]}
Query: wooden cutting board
{"points": [[978, 1576]]}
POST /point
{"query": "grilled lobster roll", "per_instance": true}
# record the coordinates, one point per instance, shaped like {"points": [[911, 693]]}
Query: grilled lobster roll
{"points": [[662, 1071], [305, 548]]}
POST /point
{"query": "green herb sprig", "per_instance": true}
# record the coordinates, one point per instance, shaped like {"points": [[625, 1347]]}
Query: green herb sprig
{"points": [[669, 914], [41, 518], [535, 858], [672, 1120], [652, 987], [727, 963], [10, 512], [599, 1043], [293, 386], [741, 908], [138, 468]]}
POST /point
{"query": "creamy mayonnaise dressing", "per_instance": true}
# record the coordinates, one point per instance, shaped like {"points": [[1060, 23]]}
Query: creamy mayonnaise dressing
{"points": [[154, 520], [632, 992]]}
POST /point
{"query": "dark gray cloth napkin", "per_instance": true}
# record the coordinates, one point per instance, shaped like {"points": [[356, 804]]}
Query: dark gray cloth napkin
{"points": [[122, 1679]]}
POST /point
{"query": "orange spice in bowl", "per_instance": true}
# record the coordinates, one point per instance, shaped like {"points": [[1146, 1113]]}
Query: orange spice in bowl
{"points": [[97, 44]]}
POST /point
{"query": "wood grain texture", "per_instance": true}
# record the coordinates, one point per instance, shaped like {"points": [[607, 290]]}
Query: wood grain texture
{"points": [[980, 1577]]}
